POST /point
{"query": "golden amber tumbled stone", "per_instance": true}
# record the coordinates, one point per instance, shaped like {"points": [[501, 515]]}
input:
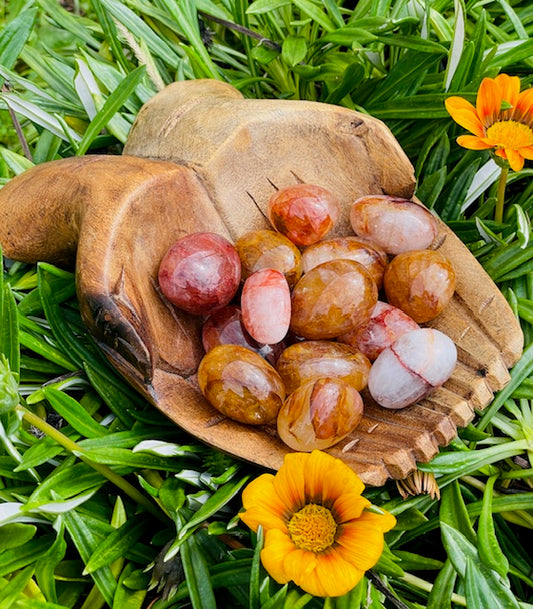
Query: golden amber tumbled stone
{"points": [[313, 359], [267, 249], [332, 299], [319, 414], [370, 255], [420, 283], [241, 384]]}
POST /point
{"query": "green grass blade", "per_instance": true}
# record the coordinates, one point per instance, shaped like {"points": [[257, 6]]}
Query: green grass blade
{"points": [[74, 413], [197, 576], [112, 105], [86, 541], [489, 548], [116, 544]]}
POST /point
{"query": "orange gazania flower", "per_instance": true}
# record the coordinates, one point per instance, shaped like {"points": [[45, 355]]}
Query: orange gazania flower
{"points": [[319, 531], [502, 119]]}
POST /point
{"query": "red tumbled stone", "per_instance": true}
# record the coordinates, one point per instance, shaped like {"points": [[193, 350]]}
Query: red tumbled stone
{"points": [[200, 273]]}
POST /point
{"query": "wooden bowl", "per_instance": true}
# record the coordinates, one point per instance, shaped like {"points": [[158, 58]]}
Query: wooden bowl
{"points": [[201, 157]]}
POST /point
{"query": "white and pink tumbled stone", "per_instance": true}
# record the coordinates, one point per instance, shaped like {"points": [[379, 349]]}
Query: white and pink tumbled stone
{"points": [[414, 366], [266, 306]]}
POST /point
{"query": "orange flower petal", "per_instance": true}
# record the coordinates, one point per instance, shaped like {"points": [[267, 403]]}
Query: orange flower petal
{"points": [[299, 565], [524, 107], [349, 506], [333, 576], [327, 478], [488, 102], [262, 505], [360, 545], [516, 160], [277, 548], [510, 89], [527, 152], [381, 519], [464, 114], [472, 142], [289, 482]]}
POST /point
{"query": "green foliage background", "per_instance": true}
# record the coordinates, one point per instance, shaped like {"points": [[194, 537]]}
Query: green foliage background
{"points": [[96, 488]]}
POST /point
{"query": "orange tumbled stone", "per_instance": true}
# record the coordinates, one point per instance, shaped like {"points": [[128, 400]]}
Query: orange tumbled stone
{"points": [[313, 359], [304, 212], [241, 384], [268, 249], [332, 299], [319, 414], [370, 255], [420, 283]]}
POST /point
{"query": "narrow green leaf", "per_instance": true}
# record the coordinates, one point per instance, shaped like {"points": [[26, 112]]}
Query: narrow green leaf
{"points": [[217, 500], [46, 350], [489, 548], [197, 576], [45, 567], [116, 544], [9, 330], [458, 41], [482, 593], [16, 534], [314, 11], [453, 511], [463, 463], [441, 593], [10, 593], [69, 22], [65, 483], [14, 36], [258, 7], [20, 557], [86, 541], [522, 370], [256, 570], [127, 458], [114, 393], [112, 105], [74, 413], [347, 36], [125, 596], [523, 224], [414, 43]]}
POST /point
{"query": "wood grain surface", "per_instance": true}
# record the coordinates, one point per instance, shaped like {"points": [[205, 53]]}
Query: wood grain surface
{"points": [[201, 157]]}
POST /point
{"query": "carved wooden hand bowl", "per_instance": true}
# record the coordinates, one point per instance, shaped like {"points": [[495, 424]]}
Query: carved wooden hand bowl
{"points": [[202, 158]]}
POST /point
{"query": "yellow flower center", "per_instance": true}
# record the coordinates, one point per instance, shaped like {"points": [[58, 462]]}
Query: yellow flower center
{"points": [[510, 134], [313, 528]]}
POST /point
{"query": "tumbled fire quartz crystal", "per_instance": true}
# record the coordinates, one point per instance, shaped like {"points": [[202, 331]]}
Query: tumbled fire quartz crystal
{"points": [[267, 249], [304, 212], [313, 359], [420, 283], [397, 225], [319, 414], [331, 299], [371, 256], [385, 326], [241, 384], [225, 327], [200, 273], [266, 306], [414, 366]]}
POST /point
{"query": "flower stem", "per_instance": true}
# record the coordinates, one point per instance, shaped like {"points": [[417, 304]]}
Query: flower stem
{"points": [[104, 470], [502, 183], [422, 584]]}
